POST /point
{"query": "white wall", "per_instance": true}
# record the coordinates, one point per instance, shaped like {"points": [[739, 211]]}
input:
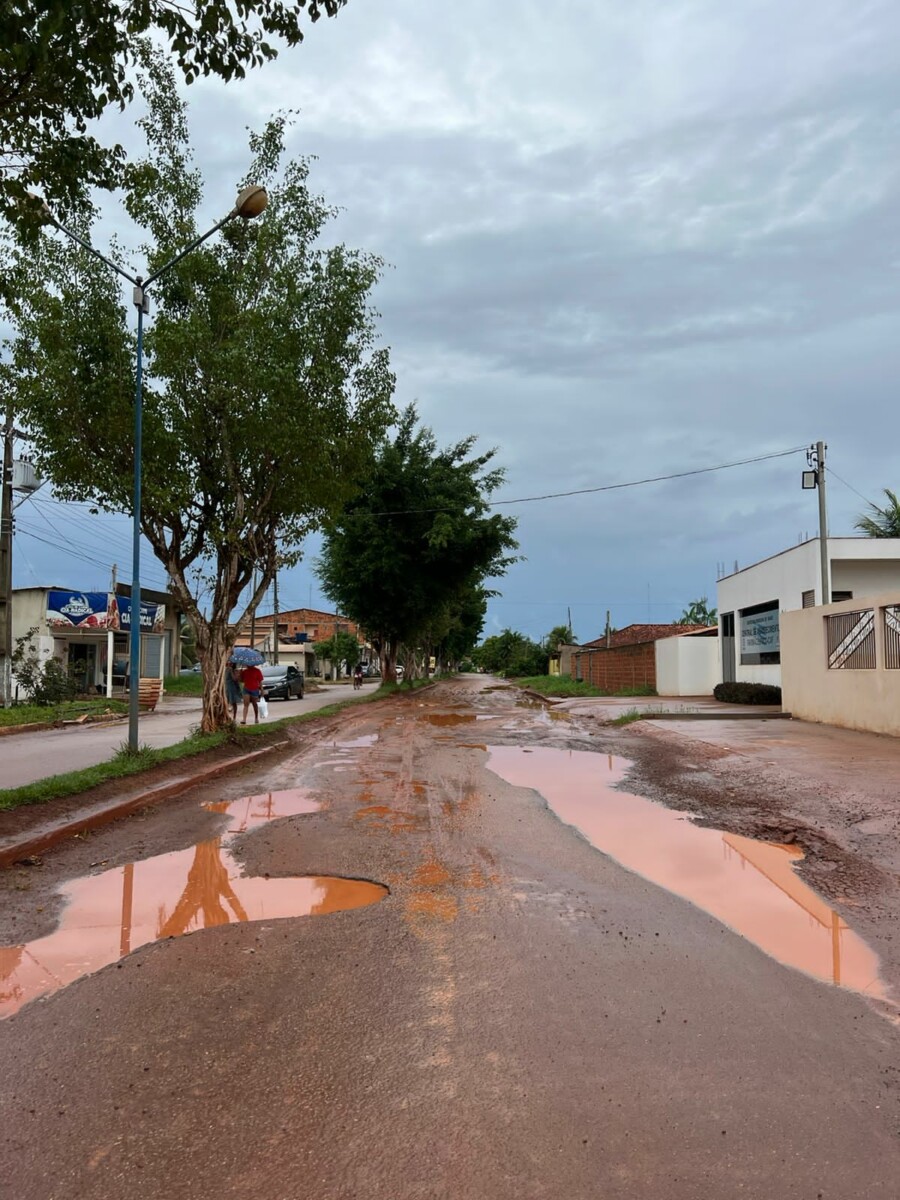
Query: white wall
{"points": [[854, 699], [863, 566], [687, 665]]}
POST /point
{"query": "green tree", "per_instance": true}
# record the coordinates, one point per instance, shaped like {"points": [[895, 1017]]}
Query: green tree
{"points": [[559, 635], [341, 647], [263, 342], [406, 552], [62, 64], [511, 653], [698, 612], [881, 522]]}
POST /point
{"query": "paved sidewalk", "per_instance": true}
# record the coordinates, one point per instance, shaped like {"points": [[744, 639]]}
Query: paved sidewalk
{"points": [[27, 757]]}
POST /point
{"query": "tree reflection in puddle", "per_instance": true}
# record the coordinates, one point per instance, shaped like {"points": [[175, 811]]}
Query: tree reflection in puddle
{"points": [[108, 915], [749, 885]]}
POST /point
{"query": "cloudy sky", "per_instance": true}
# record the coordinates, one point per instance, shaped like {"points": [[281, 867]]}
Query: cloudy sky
{"points": [[626, 240]]}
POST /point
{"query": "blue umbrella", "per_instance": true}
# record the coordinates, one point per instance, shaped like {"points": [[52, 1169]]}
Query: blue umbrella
{"points": [[246, 656]]}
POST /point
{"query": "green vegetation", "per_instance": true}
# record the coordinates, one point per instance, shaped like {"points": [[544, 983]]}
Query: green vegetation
{"points": [[340, 649], [557, 685], [747, 693], [262, 339], [699, 613], [628, 718], [511, 653], [71, 710], [881, 522], [562, 685], [125, 764], [64, 64], [185, 685], [407, 557]]}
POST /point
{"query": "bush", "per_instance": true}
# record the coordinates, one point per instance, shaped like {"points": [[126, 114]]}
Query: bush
{"points": [[747, 693], [47, 682]]}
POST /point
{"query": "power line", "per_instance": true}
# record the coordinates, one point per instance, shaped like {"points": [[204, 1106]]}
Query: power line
{"points": [[832, 471], [611, 487]]}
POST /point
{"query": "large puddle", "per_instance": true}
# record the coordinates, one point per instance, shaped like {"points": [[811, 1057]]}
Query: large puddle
{"points": [[749, 885], [108, 915]]}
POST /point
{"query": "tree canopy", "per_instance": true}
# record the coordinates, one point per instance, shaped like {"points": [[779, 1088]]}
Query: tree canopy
{"points": [[511, 653], [341, 647], [559, 635], [62, 64], [261, 359], [407, 556], [881, 522], [698, 612]]}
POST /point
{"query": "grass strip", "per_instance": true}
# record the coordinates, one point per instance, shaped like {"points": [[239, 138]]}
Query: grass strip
{"points": [[69, 710], [564, 687], [124, 763]]}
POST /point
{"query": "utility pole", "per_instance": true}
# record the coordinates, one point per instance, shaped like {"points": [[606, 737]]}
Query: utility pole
{"points": [[6, 534], [608, 630], [275, 623], [815, 478], [823, 522]]}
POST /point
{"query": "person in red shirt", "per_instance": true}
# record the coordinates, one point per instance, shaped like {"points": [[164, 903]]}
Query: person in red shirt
{"points": [[252, 680]]}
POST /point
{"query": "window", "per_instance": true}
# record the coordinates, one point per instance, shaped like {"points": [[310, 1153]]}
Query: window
{"points": [[760, 635], [851, 641], [837, 597], [809, 599], [892, 637]]}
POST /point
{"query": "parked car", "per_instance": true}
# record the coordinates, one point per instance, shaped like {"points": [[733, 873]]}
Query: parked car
{"points": [[281, 683]]}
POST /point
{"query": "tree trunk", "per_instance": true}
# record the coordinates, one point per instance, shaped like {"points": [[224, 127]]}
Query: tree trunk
{"points": [[216, 713], [388, 660]]}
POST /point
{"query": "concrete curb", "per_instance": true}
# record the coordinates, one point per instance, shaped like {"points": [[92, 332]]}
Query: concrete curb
{"points": [[714, 716], [12, 850]]}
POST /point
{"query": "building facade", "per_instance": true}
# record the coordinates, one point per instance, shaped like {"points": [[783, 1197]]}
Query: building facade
{"points": [[89, 633], [750, 601]]}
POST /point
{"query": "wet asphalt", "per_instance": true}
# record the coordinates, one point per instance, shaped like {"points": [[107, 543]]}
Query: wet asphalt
{"points": [[520, 1017]]}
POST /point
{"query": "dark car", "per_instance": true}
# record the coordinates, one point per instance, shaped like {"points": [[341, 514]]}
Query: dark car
{"points": [[281, 683]]}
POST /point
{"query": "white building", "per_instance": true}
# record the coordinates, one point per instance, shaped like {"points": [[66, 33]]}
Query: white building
{"points": [[751, 600]]}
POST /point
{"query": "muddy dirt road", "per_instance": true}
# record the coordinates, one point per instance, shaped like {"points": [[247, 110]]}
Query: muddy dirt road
{"points": [[517, 1015]]}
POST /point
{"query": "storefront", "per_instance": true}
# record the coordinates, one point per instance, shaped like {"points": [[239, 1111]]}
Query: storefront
{"points": [[90, 633]]}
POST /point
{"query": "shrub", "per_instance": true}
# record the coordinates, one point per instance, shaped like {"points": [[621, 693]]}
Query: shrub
{"points": [[747, 693], [46, 681]]}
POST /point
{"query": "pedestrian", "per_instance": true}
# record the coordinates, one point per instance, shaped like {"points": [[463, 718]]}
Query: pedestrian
{"points": [[252, 680], [233, 688]]}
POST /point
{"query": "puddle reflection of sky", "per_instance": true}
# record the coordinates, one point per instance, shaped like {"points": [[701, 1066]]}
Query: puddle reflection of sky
{"points": [[750, 886]]}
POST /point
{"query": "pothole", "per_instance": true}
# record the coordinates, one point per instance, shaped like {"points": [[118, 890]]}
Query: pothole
{"points": [[109, 914], [749, 885]]}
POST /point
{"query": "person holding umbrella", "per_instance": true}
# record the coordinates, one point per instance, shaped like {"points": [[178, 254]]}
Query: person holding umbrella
{"points": [[252, 678], [233, 688]]}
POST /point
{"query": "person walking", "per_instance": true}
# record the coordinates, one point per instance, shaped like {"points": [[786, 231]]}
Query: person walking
{"points": [[252, 680], [233, 688]]}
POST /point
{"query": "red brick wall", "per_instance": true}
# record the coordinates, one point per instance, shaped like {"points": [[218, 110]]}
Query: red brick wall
{"points": [[618, 668]]}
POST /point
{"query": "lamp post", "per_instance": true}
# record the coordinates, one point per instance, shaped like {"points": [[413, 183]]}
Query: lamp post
{"points": [[250, 203]]}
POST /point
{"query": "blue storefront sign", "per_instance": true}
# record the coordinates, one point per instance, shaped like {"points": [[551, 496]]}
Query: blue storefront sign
{"points": [[81, 610], [153, 616]]}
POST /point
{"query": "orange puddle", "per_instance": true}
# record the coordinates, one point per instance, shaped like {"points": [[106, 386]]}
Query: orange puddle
{"points": [[447, 718], [749, 885], [110, 914]]}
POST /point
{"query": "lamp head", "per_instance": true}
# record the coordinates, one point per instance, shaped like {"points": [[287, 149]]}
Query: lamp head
{"points": [[251, 202]]}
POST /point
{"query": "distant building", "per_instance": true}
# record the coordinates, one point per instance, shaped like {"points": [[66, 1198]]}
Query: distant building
{"points": [[631, 658]]}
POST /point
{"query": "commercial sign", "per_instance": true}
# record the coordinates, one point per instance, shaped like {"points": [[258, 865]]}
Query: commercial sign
{"points": [[82, 610], [99, 611], [760, 633], [153, 616]]}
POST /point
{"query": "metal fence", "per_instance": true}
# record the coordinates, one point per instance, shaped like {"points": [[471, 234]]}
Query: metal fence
{"points": [[892, 636], [851, 640]]}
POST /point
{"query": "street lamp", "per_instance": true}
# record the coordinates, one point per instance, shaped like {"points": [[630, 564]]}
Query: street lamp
{"points": [[251, 202]]}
